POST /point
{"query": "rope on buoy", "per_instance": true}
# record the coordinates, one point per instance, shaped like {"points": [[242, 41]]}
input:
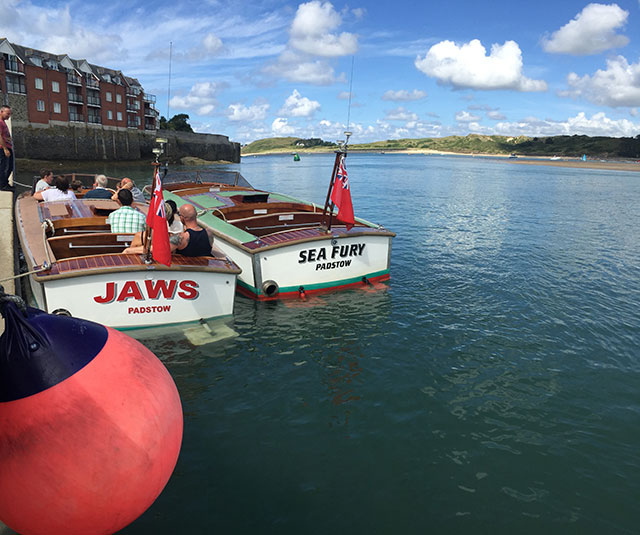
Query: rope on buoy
{"points": [[6, 298]]}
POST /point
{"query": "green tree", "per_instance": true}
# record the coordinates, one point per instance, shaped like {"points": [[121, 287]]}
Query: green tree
{"points": [[177, 122]]}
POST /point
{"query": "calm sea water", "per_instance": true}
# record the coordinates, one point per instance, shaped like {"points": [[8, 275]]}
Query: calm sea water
{"points": [[492, 387]]}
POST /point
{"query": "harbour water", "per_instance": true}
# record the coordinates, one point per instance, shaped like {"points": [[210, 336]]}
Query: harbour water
{"points": [[491, 387]]}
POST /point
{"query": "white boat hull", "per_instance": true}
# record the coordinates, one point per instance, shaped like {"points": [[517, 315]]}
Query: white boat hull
{"points": [[319, 265], [139, 298]]}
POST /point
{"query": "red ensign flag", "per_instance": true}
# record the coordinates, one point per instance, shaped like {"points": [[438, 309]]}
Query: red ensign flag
{"points": [[157, 220], [341, 196]]}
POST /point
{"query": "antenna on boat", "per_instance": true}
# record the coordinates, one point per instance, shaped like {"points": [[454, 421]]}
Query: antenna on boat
{"points": [[169, 89], [350, 92]]}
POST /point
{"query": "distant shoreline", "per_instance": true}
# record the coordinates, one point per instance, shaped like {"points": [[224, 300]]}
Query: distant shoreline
{"points": [[520, 160]]}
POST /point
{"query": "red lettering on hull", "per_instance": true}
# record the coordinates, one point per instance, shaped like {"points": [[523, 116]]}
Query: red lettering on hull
{"points": [[152, 290]]}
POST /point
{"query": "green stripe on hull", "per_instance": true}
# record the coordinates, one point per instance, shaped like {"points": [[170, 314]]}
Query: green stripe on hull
{"points": [[319, 286]]}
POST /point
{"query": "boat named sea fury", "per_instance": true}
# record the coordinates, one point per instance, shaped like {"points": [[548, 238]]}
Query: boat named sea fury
{"points": [[78, 268], [285, 247]]}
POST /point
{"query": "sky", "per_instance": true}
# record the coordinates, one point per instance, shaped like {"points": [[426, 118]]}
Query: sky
{"points": [[383, 70]]}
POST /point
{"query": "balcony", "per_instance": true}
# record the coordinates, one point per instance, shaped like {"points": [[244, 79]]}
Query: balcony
{"points": [[133, 107], [72, 79], [11, 64], [76, 117], [149, 98], [133, 91], [75, 98], [94, 119], [92, 83], [93, 101]]}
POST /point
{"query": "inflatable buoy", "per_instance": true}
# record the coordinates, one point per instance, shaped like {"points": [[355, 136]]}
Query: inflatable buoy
{"points": [[90, 425]]}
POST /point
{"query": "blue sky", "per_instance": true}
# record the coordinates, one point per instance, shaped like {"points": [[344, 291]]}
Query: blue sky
{"points": [[260, 69]]}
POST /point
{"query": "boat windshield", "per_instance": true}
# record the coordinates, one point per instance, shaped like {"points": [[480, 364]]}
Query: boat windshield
{"points": [[232, 178]]}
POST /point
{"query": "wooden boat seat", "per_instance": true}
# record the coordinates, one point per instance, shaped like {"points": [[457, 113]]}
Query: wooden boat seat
{"points": [[80, 225], [239, 213], [74, 245], [276, 222]]}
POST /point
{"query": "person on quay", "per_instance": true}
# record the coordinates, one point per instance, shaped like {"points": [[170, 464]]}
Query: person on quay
{"points": [[99, 190], [46, 180], [127, 183], [126, 218], [6, 154], [194, 241], [60, 192]]}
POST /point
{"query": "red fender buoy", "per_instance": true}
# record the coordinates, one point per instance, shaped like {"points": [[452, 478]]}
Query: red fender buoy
{"points": [[90, 426]]}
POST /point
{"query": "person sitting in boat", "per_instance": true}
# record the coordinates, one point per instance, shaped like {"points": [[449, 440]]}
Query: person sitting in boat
{"points": [[194, 241], [99, 190], [127, 183], [61, 192], [46, 180], [173, 220], [126, 218]]}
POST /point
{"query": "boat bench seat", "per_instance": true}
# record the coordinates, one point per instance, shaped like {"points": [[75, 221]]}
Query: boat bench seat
{"points": [[269, 223], [75, 245]]}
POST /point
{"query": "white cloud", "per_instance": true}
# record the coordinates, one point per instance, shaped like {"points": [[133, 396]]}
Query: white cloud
{"points": [[618, 85], [466, 117], [596, 125], [201, 98], [298, 106], [468, 66], [240, 112], [400, 114], [403, 95], [312, 27], [496, 115], [344, 95], [592, 31], [281, 127], [295, 68]]}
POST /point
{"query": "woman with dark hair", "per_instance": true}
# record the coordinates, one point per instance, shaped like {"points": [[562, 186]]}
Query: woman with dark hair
{"points": [[175, 225], [60, 192]]}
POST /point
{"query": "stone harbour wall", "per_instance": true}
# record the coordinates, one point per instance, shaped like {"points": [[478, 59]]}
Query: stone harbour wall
{"points": [[88, 142]]}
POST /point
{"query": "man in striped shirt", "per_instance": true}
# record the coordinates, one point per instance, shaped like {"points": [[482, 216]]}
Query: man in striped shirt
{"points": [[126, 218]]}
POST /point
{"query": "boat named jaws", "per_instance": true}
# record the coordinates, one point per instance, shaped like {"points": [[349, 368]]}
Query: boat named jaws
{"points": [[79, 269]]}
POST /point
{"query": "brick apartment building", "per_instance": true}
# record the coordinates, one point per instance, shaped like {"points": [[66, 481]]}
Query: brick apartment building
{"points": [[46, 89]]}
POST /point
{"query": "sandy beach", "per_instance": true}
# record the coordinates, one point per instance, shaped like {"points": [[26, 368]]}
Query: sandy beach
{"points": [[521, 160]]}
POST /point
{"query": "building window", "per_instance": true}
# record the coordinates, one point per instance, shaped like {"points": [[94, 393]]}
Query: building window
{"points": [[39, 83], [119, 116], [15, 84], [118, 98], [57, 108], [109, 114], [40, 105], [108, 96], [55, 87]]}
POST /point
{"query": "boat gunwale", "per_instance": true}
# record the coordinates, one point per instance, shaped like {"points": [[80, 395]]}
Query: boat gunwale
{"points": [[43, 276]]}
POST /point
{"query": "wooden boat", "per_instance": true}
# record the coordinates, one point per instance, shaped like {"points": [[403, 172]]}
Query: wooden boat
{"points": [[78, 268], [285, 247]]}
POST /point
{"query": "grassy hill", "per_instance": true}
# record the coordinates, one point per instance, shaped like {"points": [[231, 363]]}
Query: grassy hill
{"points": [[564, 146]]}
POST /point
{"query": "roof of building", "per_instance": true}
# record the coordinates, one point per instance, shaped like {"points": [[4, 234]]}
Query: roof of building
{"points": [[40, 58]]}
